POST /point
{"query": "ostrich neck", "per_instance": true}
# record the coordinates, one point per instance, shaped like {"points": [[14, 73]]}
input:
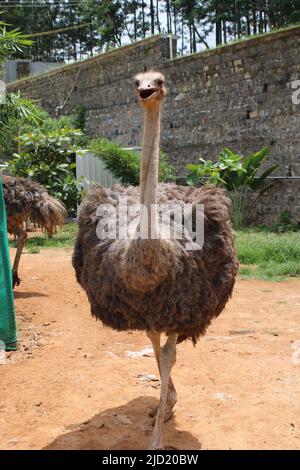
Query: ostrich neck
{"points": [[150, 156], [147, 262]]}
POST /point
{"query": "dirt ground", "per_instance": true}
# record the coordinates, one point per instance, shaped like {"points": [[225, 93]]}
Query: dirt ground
{"points": [[74, 384]]}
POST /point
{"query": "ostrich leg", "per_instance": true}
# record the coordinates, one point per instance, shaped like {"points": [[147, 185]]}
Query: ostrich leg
{"points": [[167, 360], [22, 236], [172, 395]]}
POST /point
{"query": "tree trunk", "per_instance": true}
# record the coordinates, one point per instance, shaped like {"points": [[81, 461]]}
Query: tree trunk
{"points": [[224, 31], [194, 39], [175, 19], [254, 21], [238, 21], [143, 19], [169, 18], [91, 36], [261, 24], [248, 24], [134, 24], [218, 32], [157, 16], [265, 22], [182, 36], [152, 16]]}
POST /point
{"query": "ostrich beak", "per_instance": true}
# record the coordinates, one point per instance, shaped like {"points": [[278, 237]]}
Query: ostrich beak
{"points": [[147, 91]]}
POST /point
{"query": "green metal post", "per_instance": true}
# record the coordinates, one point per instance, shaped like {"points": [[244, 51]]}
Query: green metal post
{"points": [[8, 331]]}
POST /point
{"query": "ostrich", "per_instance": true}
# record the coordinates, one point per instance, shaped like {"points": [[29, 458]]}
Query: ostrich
{"points": [[156, 284], [26, 199]]}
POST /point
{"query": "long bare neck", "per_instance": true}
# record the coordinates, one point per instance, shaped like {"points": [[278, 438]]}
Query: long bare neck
{"points": [[147, 262], [150, 156]]}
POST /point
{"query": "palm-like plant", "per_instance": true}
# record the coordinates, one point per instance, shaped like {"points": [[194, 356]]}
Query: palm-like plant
{"points": [[11, 41], [231, 170], [234, 172], [17, 108], [14, 110]]}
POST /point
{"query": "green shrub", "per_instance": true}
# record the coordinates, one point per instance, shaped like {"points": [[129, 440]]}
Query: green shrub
{"points": [[285, 223], [125, 164], [167, 172], [79, 117], [49, 158], [22, 116], [236, 173], [16, 115]]}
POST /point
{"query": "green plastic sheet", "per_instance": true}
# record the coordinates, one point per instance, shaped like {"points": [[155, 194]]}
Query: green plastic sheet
{"points": [[8, 332]]}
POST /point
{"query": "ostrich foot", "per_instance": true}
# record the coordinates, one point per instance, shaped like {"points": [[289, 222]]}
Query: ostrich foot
{"points": [[171, 402], [168, 413], [15, 279]]}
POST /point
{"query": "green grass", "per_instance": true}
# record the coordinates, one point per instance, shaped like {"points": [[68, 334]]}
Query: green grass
{"points": [[65, 238], [268, 255], [263, 254]]}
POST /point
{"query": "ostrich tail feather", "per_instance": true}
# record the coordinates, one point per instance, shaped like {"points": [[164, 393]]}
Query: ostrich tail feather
{"points": [[48, 213]]}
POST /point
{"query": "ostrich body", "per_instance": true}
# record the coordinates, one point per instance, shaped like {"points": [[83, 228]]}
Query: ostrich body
{"points": [[25, 199], [155, 284]]}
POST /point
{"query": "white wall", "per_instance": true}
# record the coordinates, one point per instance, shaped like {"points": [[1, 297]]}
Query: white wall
{"points": [[10, 68], [92, 169]]}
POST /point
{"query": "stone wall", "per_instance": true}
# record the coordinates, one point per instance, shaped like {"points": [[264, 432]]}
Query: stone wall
{"points": [[238, 96]]}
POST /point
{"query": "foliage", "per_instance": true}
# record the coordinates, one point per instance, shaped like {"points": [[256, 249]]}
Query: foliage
{"points": [[234, 172], [79, 117], [11, 41], [231, 170], [78, 121], [15, 108], [93, 26], [19, 115], [268, 255], [49, 158], [284, 218], [167, 172], [285, 223], [125, 164]]}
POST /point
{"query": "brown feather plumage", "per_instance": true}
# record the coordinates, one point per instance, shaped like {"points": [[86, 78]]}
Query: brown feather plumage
{"points": [[190, 289], [28, 199]]}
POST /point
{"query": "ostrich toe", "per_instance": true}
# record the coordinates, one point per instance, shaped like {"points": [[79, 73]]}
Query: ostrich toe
{"points": [[171, 402], [16, 280], [168, 413]]}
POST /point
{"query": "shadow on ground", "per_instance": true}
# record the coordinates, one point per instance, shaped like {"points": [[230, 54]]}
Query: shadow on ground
{"points": [[27, 295], [123, 427]]}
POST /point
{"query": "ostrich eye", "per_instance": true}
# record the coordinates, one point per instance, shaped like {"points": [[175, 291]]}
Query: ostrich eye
{"points": [[137, 83], [160, 82]]}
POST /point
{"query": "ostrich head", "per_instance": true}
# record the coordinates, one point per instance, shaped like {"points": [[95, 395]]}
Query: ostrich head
{"points": [[150, 88]]}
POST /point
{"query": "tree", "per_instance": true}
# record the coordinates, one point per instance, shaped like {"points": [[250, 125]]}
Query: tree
{"points": [[70, 30], [14, 109]]}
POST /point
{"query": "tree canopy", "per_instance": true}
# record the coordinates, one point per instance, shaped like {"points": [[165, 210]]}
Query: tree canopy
{"points": [[71, 29]]}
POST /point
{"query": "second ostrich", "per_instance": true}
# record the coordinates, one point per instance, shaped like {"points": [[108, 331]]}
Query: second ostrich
{"points": [[154, 283], [26, 199]]}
